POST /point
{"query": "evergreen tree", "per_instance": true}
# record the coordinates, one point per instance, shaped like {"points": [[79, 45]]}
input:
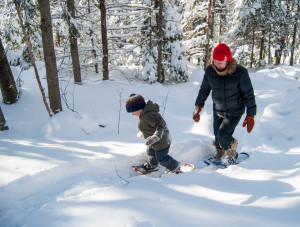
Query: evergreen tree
{"points": [[266, 27], [295, 33], [175, 53], [194, 25], [149, 47], [12, 34]]}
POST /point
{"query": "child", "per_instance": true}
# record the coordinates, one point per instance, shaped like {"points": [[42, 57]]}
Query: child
{"points": [[154, 129]]}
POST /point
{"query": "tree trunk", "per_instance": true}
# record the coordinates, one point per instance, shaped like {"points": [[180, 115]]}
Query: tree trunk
{"points": [[49, 56], [2, 121], [94, 51], [104, 40], [270, 31], [208, 35], [293, 45], [262, 48], [253, 45], [294, 38], [7, 82], [92, 41], [160, 76], [32, 58], [223, 22], [73, 42]]}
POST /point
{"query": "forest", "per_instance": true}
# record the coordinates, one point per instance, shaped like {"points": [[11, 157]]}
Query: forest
{"points": [[154, 39]]}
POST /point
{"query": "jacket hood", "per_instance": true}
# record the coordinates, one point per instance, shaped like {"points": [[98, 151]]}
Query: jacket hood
{"points": [[150, 106]]}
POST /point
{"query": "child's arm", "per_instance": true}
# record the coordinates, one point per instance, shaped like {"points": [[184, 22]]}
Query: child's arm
{"points": [[158, 134]]}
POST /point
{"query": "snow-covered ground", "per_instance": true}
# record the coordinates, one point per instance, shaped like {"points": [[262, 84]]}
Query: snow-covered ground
{"points": [[74, 169]]}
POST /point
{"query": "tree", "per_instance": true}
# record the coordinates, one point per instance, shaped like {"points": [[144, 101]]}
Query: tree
{"points": [[31, 56], [13, 36], [49, 56], [91, 34], [209, 33], [295, 21], [73, 41], [104, 40], [7, 82], [198, 30], [174, 50], [2, 121], [149, 48]]}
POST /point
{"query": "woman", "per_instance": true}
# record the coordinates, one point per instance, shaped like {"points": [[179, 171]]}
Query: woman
{"points": [[232, 92]]}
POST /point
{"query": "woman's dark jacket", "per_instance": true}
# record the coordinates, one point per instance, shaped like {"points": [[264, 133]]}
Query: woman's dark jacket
{"points": [[230, 93]]}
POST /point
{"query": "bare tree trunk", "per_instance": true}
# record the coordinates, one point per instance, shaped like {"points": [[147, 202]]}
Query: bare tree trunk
{"points": [[93, 42], [7, 82], [278, 52], [208, 35], [253, 45], [73, 42], [160, 76], [32, 59], [94, 51], [294, 37], [262, 48], [104, 40], [284, 33], [49, 56], [223, 22], [293, 45], [270, 30], [2, 121]]}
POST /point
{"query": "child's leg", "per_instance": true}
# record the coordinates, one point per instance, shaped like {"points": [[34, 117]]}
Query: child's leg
{"points": [[166, 160], [151, 156]]}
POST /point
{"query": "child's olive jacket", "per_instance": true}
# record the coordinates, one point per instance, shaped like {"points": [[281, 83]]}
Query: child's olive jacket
{"points": [[150, 122]]}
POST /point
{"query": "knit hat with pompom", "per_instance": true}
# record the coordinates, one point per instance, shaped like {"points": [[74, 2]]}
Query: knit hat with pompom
{"points": [[134, 103]]}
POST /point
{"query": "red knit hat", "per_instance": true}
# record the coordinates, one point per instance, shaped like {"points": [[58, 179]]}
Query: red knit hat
{"points": [[222, 53]]}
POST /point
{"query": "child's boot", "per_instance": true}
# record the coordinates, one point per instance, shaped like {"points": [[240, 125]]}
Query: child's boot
{"points": [[147, 166]]}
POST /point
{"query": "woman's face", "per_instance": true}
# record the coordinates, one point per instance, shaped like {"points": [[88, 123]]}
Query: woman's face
{"points": [[220, 64]]}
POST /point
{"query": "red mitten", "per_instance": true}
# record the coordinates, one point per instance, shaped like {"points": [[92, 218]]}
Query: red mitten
{"points": [[196, 113], [249, 121]]}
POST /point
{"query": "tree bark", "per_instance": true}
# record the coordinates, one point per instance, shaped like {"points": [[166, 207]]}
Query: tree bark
{"points": [[2, 121], [7, 82], [104, 40], [49, 56], [209, 32], [94, 53], [262, 48], [160, 76], [294, 37], [73, 42], [252, 48]]}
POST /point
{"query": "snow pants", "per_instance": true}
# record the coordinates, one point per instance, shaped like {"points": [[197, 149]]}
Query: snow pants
{"points": [[224, 129], [161, 157]]}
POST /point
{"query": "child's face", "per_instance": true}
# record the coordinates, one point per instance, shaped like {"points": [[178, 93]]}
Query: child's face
{"points": [[137, 113]]}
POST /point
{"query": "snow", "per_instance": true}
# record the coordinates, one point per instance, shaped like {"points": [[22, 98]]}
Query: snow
{"points": [[69, 171]]}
